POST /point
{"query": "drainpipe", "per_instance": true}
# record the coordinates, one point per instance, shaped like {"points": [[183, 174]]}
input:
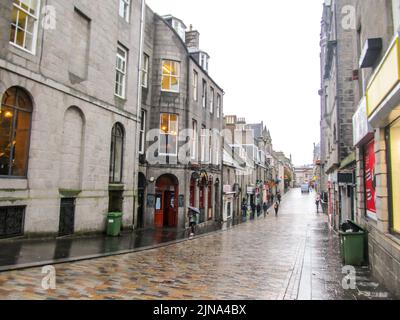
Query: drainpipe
{"points": [[138, 108], [337, 110], [188, 171]]}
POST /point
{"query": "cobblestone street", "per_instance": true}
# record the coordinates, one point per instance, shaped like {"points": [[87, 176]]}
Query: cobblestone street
{"points": [[293, 256]]}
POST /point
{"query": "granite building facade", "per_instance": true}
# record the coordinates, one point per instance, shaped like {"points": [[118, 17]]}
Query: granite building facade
{"points": [[68, 118], [181, 160]]}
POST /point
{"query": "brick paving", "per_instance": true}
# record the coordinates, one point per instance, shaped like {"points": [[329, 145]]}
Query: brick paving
{"points": [[292, 256]]}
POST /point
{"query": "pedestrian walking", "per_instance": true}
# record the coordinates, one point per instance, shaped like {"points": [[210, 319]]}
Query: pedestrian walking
{"points": [[258, 210], [279, 197], [244, 208], [317, 201], [253, 210], [192, 215], [276, 207], [265, 208]]}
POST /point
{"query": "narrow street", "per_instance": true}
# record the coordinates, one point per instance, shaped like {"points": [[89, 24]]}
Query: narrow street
{"points": [[293, 256]]}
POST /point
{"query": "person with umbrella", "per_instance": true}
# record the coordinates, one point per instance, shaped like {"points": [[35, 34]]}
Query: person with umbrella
{"points": [[192, 214]]}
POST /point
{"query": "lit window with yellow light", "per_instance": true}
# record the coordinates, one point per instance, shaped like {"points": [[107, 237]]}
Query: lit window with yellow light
{"points": [[170, 76], [24, 24], [15, 126], [168, 134]]}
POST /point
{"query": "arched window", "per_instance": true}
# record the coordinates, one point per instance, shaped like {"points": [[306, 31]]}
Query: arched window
{"points": [[117, 153], [15, 127]]}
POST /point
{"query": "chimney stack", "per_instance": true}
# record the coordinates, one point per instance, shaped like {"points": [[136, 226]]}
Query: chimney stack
{"points": [[193, 40]]}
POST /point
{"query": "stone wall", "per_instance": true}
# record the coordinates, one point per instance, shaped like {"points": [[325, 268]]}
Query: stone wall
{"points": [[70, 148]]}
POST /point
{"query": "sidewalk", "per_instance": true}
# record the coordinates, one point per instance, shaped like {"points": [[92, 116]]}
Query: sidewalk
{"points": [[21, 254]]}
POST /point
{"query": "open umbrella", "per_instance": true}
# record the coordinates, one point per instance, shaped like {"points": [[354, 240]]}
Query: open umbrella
{"points": [[196, 210]]}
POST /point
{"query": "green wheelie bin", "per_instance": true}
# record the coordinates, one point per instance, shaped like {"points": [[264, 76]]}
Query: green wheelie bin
{"points": [[352, 244], [114, 223]]}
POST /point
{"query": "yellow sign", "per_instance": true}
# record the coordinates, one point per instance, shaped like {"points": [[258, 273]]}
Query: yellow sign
{"points": [[385, 79]]}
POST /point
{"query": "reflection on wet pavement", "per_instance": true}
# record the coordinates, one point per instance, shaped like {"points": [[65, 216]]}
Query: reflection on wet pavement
{"points": [[292, 256], [16, 253]]}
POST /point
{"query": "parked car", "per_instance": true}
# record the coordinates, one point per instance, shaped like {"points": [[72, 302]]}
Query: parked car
{"points": [[305, 188]]}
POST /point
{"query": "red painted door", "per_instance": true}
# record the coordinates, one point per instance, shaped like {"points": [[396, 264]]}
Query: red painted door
{"points": [[159, 211], [170, 209]]}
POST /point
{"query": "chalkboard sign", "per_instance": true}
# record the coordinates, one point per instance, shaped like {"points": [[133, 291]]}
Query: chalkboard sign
{"points": [[151, 200], [181, 201]]}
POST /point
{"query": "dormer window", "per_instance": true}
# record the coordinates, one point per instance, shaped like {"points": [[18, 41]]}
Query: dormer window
{"points": [[204, 61], [180, 28]]}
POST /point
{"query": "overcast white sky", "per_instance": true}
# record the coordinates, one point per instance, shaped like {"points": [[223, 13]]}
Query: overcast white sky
{"points": [[265, 55]]}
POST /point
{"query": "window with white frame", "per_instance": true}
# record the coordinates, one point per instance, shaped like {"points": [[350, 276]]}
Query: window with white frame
{"points": [[195, 85], [212, 100], [203, 135], [124, 6], [218, 105], [170, 76], [142, 134], [24, 24], [145, 70], [204, 61], [194, 139], [217, 147], [179, 28], [120, 80], [204, 95], [168, 134]]}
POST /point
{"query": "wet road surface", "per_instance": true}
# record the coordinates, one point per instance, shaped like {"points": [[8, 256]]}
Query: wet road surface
{"points": [[18, 254], [292, 256]]}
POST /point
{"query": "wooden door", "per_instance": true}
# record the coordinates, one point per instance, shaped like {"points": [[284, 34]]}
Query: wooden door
{"points": [[159, 211], [170, 209]]}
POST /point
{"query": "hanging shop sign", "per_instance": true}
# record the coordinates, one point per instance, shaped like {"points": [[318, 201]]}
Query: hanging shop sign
{"points": [[251, 190], [362, 130], [370, 180]]}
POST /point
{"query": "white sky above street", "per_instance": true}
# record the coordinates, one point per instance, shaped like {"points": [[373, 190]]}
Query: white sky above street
{"points": [[265, 55]]}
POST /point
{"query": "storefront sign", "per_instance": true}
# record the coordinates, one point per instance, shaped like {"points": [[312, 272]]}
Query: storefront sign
{"points": [[227, 188], [251, 190], [370, 182], [345, 178], [385, 78], [362, 130]]}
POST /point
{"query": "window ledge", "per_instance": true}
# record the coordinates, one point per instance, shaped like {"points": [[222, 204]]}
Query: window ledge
{"points": [[116, 187], [13, 184]]}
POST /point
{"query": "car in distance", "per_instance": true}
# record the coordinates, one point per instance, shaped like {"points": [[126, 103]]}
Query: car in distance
{"points": [[305, 188]]}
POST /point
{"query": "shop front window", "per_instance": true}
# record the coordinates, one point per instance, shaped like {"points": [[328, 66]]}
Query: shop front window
{"points": [[394, 146]]}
